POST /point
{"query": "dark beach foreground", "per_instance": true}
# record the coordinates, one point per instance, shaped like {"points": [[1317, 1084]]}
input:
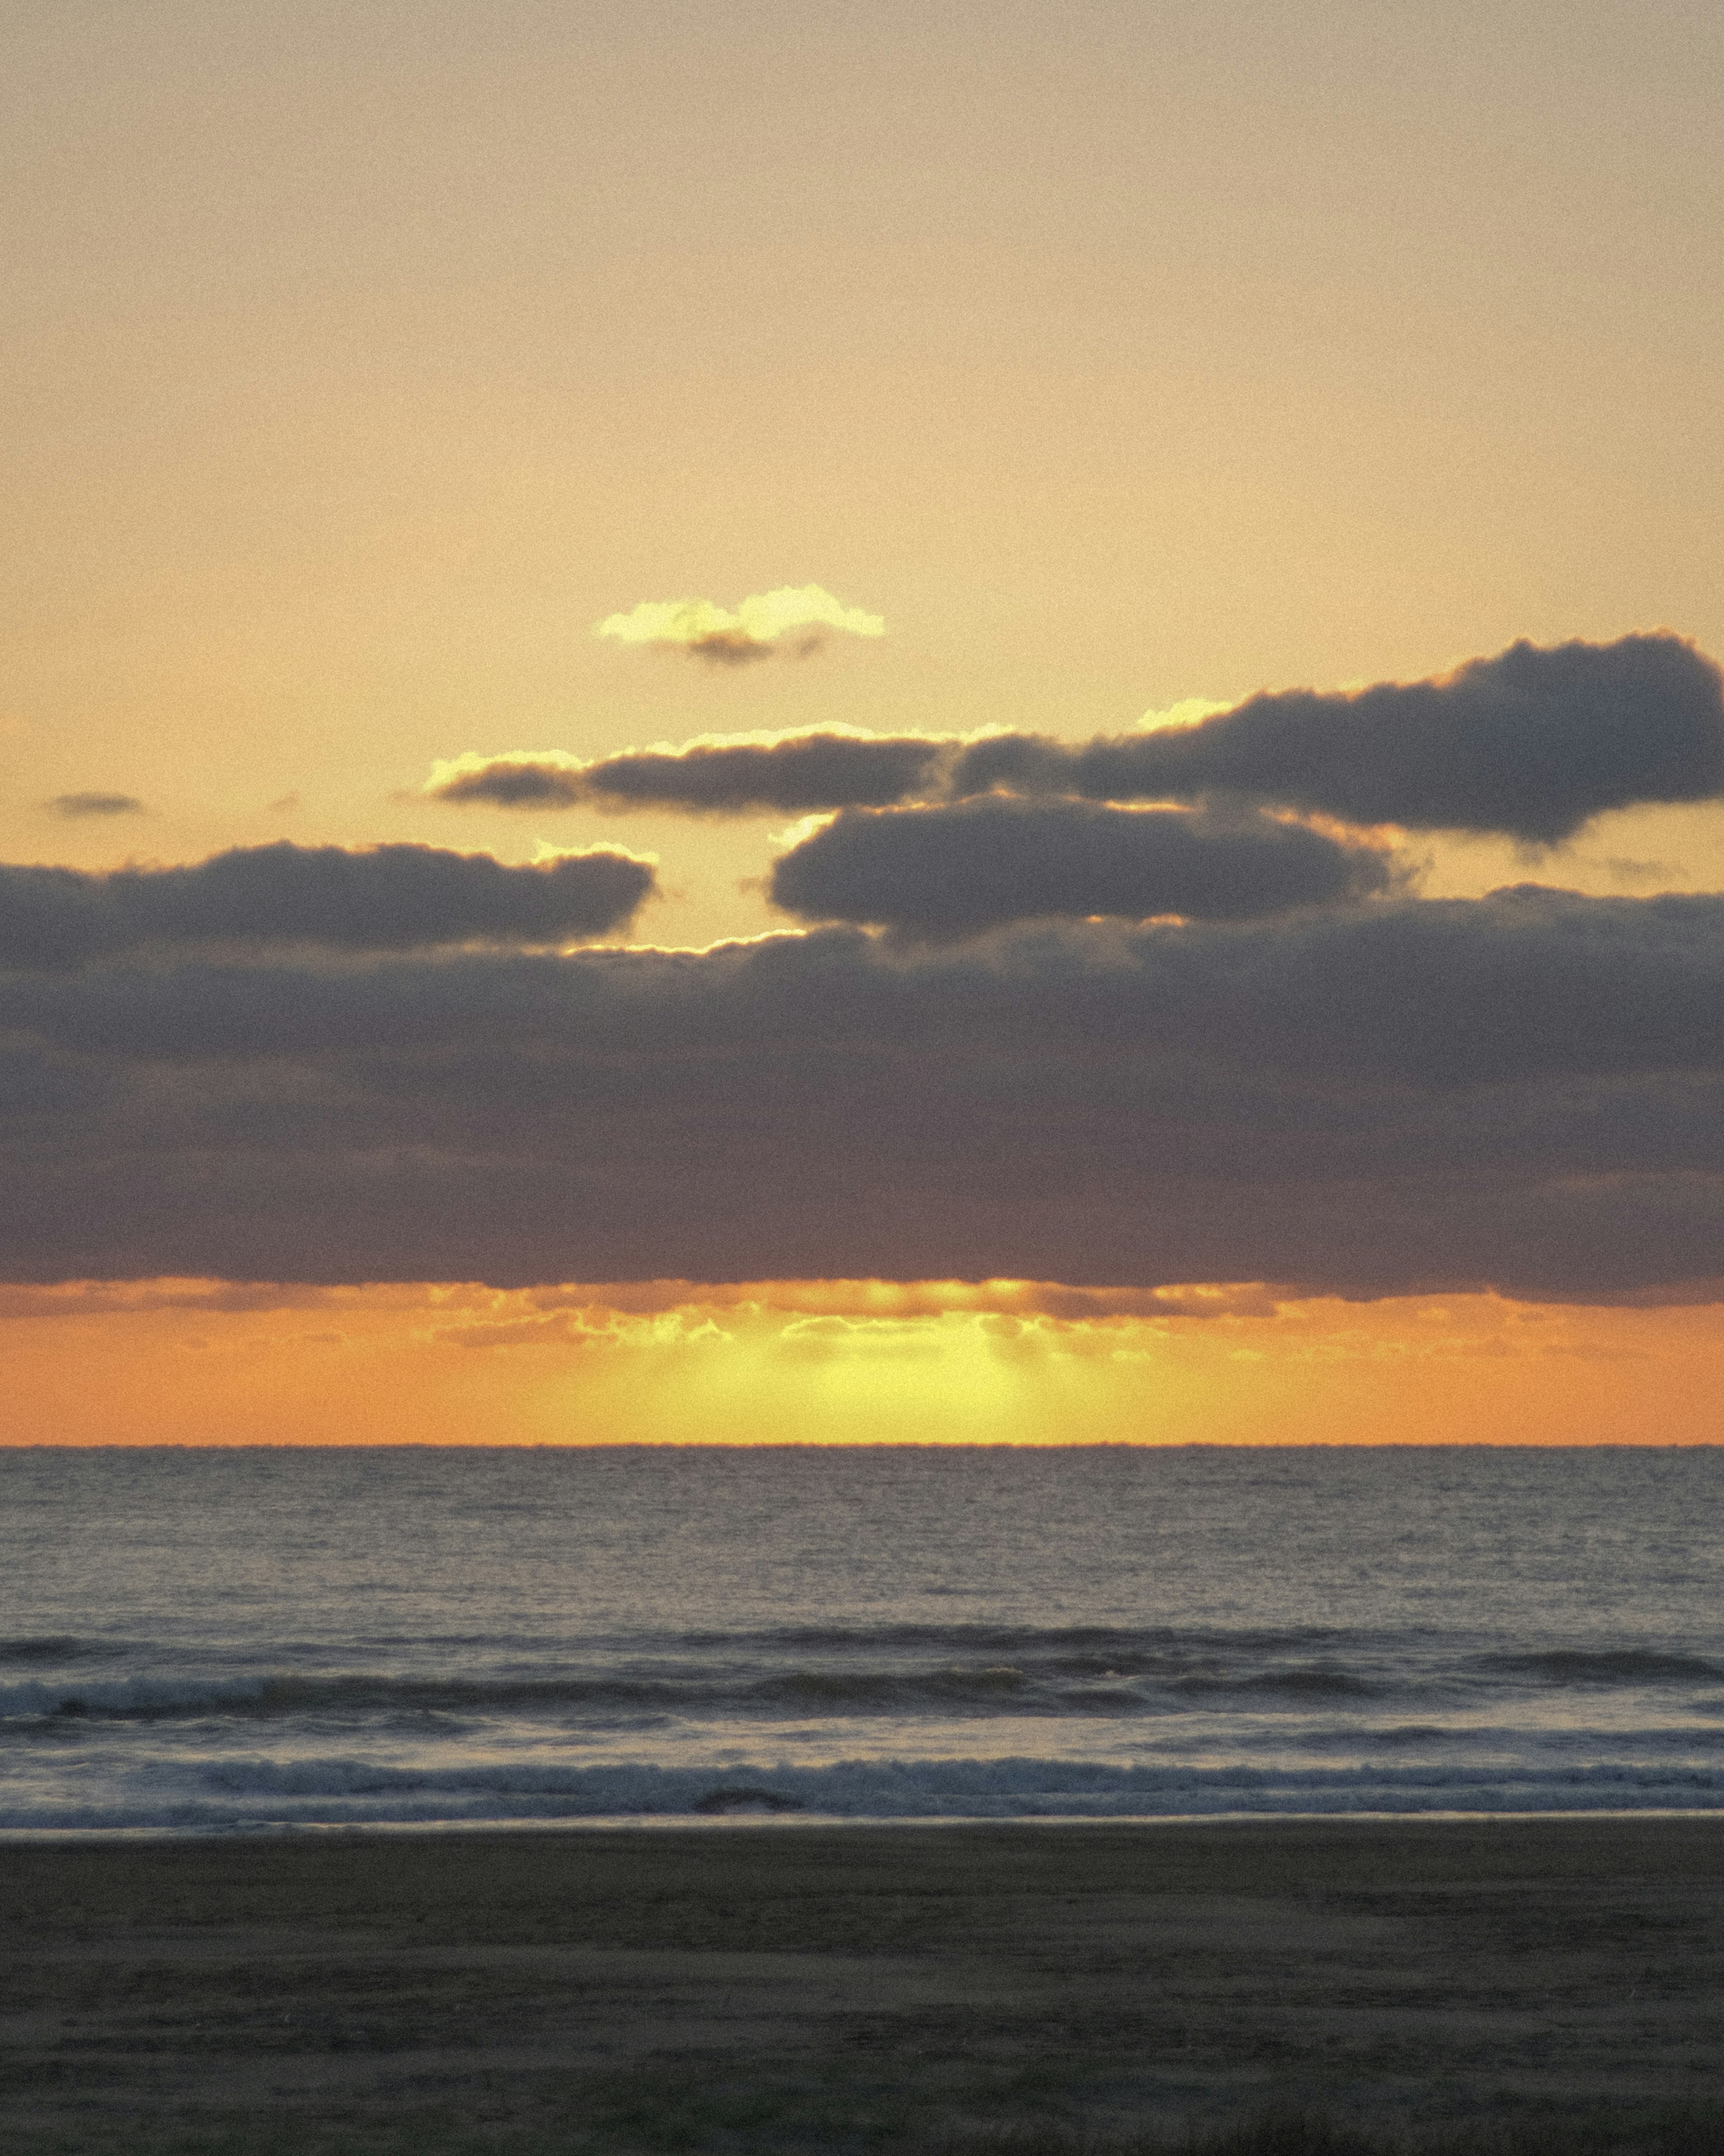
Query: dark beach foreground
{"points": [[758, 1989]]}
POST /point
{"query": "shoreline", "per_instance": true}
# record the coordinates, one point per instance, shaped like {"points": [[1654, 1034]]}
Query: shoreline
{"points": [[744, 1819], [854, 1986]]}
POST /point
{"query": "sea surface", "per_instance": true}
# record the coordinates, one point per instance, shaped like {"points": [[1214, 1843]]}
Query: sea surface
{"points": [[253, 1639]]}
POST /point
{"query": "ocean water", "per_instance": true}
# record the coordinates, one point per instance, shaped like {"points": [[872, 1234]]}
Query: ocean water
{"points": [[252, 1640]]}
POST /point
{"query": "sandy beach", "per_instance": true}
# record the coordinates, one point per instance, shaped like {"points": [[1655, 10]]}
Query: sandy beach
{"points": [[773, 1987]]}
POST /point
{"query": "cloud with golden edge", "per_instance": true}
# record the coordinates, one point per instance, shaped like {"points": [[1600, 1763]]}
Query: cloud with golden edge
{"points": [[794, 619], [1189, 711], [823, 1315]]}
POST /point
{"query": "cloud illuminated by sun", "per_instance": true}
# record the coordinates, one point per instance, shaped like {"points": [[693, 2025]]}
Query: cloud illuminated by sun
{"points": [[1189, 711], [792, 617]]}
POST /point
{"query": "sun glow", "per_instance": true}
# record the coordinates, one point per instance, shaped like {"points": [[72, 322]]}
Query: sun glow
{"points": [[840, 1362]]}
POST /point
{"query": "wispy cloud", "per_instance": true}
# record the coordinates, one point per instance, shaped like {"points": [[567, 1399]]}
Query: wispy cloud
{"points": [[793, 620], [590, 1310], [74, 805]]}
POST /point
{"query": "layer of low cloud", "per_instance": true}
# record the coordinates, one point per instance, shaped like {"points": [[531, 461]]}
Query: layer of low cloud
{"points": [[383, 898], [1526, 1092], [601, 1299], [792, 773], [793, 621], [1532, 743], [73, 806], [599, 1303], [947, 872]]}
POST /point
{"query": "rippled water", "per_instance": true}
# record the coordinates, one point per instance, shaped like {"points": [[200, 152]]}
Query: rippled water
{"points": [[247, 1639]]}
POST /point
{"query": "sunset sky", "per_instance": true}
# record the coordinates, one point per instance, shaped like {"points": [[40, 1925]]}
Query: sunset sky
{"points": [[952, 620]]}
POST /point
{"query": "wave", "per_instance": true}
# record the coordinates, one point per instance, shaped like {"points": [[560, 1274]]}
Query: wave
{"points": [[1104, 1645], [1300, 1683], [260, 1794], [151, 1699], [800, 1693], [58, 1647], [892, 1688], [885, 1672], [1606, 1665]]}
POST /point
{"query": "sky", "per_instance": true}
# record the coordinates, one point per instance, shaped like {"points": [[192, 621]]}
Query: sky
{"points": [[861, 723]]}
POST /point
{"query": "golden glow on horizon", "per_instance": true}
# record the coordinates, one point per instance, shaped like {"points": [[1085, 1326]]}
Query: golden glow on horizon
{"points": [[202, 1362]]}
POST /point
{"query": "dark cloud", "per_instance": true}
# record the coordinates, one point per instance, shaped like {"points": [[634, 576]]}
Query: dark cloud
{"points": [[945, 872], [515, 782], [1531, 743], [807, 772], [728, 647], [1526, 1091], [95, 804], [386, 898], [734, 647], [801, 773]]}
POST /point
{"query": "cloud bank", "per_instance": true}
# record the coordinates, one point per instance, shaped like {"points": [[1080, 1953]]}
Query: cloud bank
{"points": [[1118, 1047], [947, 872], [793, 619], [384, 898], [1526, 1092]]}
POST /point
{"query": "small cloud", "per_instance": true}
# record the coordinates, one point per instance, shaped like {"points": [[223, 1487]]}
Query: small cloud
{"points": [[794, 622], [523, 778], [95, 804], [284, 801], [1642, 872]]}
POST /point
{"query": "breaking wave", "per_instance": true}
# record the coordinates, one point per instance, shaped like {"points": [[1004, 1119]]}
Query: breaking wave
{"points": [[901, 1672], [260, 1794]]}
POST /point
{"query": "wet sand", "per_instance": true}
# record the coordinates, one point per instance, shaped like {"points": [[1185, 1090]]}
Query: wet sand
{"points": [[756, 1989]]}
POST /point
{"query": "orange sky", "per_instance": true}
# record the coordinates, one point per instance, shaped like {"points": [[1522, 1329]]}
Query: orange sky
{"points": [[366, 357], [191, 1362]]}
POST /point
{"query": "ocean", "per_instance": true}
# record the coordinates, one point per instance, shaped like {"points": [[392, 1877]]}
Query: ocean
{"points": [[248, 1640]]}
